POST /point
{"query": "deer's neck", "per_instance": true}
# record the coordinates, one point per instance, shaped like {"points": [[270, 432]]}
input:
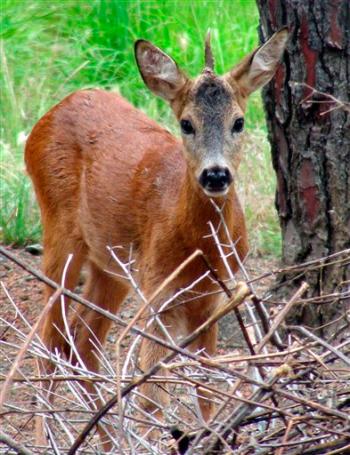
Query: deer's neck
{"points": [[195, 211]]}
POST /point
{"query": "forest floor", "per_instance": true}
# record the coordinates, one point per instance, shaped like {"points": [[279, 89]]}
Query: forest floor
{"points": [[322, 384], [20, 287]]}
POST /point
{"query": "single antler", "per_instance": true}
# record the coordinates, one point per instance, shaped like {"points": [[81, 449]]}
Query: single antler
{"points": [[209, 59]]}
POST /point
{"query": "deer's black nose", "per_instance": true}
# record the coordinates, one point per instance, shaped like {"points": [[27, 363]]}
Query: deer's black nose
{"points": [[215, 179]]}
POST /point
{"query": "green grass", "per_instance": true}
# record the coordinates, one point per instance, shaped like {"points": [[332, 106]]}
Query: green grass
{"points": [[51, 48]]}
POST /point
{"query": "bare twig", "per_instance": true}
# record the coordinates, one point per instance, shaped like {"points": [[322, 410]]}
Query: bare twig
{"points": [[25, 346], [6, 439]]}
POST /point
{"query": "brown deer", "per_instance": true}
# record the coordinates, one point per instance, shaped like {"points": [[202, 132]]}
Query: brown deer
{"points": [[105, 174]]}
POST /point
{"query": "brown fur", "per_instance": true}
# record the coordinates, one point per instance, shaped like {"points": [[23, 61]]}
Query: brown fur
{"points": [[107, 175]]}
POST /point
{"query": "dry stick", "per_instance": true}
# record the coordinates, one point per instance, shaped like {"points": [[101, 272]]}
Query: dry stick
{"points": [[77, 298], [317, 263], [320, 361], [329, 430], [236, 386], [307, 333], [240, 264], [339, 104], [25, 346], [299, 442], [252, 358], [165, 305], [227, 291], [220, 312], [285, 437], [328, 298], [281, 316], [240, 295], [126, 380], [214, 363], [339, 444], [341, 450], [200, 386], [276, 340], [311, 404], [314, 449], [320, 262], [297, 271], [14, 444]]}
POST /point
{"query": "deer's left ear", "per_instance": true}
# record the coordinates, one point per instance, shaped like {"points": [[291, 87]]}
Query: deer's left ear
{"points": [[259, 67]]}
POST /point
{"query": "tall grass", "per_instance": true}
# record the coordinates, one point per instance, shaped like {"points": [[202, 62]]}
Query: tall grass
{"points": [[49, 49]]}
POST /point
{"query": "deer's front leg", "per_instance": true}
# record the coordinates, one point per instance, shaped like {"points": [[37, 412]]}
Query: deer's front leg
{"points": [[155, 396], [206, 344]]}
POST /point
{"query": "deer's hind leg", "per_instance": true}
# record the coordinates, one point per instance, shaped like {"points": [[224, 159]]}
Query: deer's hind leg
{"points": [[89, 329], [57, 249]]}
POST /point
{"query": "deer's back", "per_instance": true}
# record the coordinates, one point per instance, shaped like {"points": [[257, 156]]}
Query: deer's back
{"points": [[97, 159]]}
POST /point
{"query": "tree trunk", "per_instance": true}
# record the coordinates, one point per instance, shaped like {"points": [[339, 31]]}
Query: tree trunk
{"points": [[310, 140]]}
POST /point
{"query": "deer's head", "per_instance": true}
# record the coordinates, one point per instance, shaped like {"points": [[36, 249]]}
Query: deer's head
{"points": [[210, 108]]}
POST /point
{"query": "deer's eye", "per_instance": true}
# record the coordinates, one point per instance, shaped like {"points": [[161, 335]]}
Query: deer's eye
{"points": [[186, 127], [238, 125]]}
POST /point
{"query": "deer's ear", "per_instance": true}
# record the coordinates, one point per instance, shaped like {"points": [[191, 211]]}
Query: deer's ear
{"points": [[159, 72], [259, 67]]}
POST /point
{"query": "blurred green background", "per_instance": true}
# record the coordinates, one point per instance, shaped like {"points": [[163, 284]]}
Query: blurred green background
{"points": [[51, 48]]}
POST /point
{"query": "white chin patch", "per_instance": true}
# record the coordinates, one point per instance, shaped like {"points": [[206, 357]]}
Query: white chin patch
{"points": [[215, 193]]}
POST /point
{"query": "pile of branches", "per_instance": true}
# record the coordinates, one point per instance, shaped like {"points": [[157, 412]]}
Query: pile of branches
{"points": [[286, 391]]}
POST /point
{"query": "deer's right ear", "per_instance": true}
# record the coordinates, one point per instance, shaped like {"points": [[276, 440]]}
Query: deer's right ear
{"points": [[159, 72]]}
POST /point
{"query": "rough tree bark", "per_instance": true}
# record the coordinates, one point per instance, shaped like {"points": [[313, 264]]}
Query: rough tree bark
{"points": [[310, 142]]}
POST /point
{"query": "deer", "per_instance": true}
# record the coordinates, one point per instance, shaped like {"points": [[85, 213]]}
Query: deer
{"points": [[106, 174]]}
